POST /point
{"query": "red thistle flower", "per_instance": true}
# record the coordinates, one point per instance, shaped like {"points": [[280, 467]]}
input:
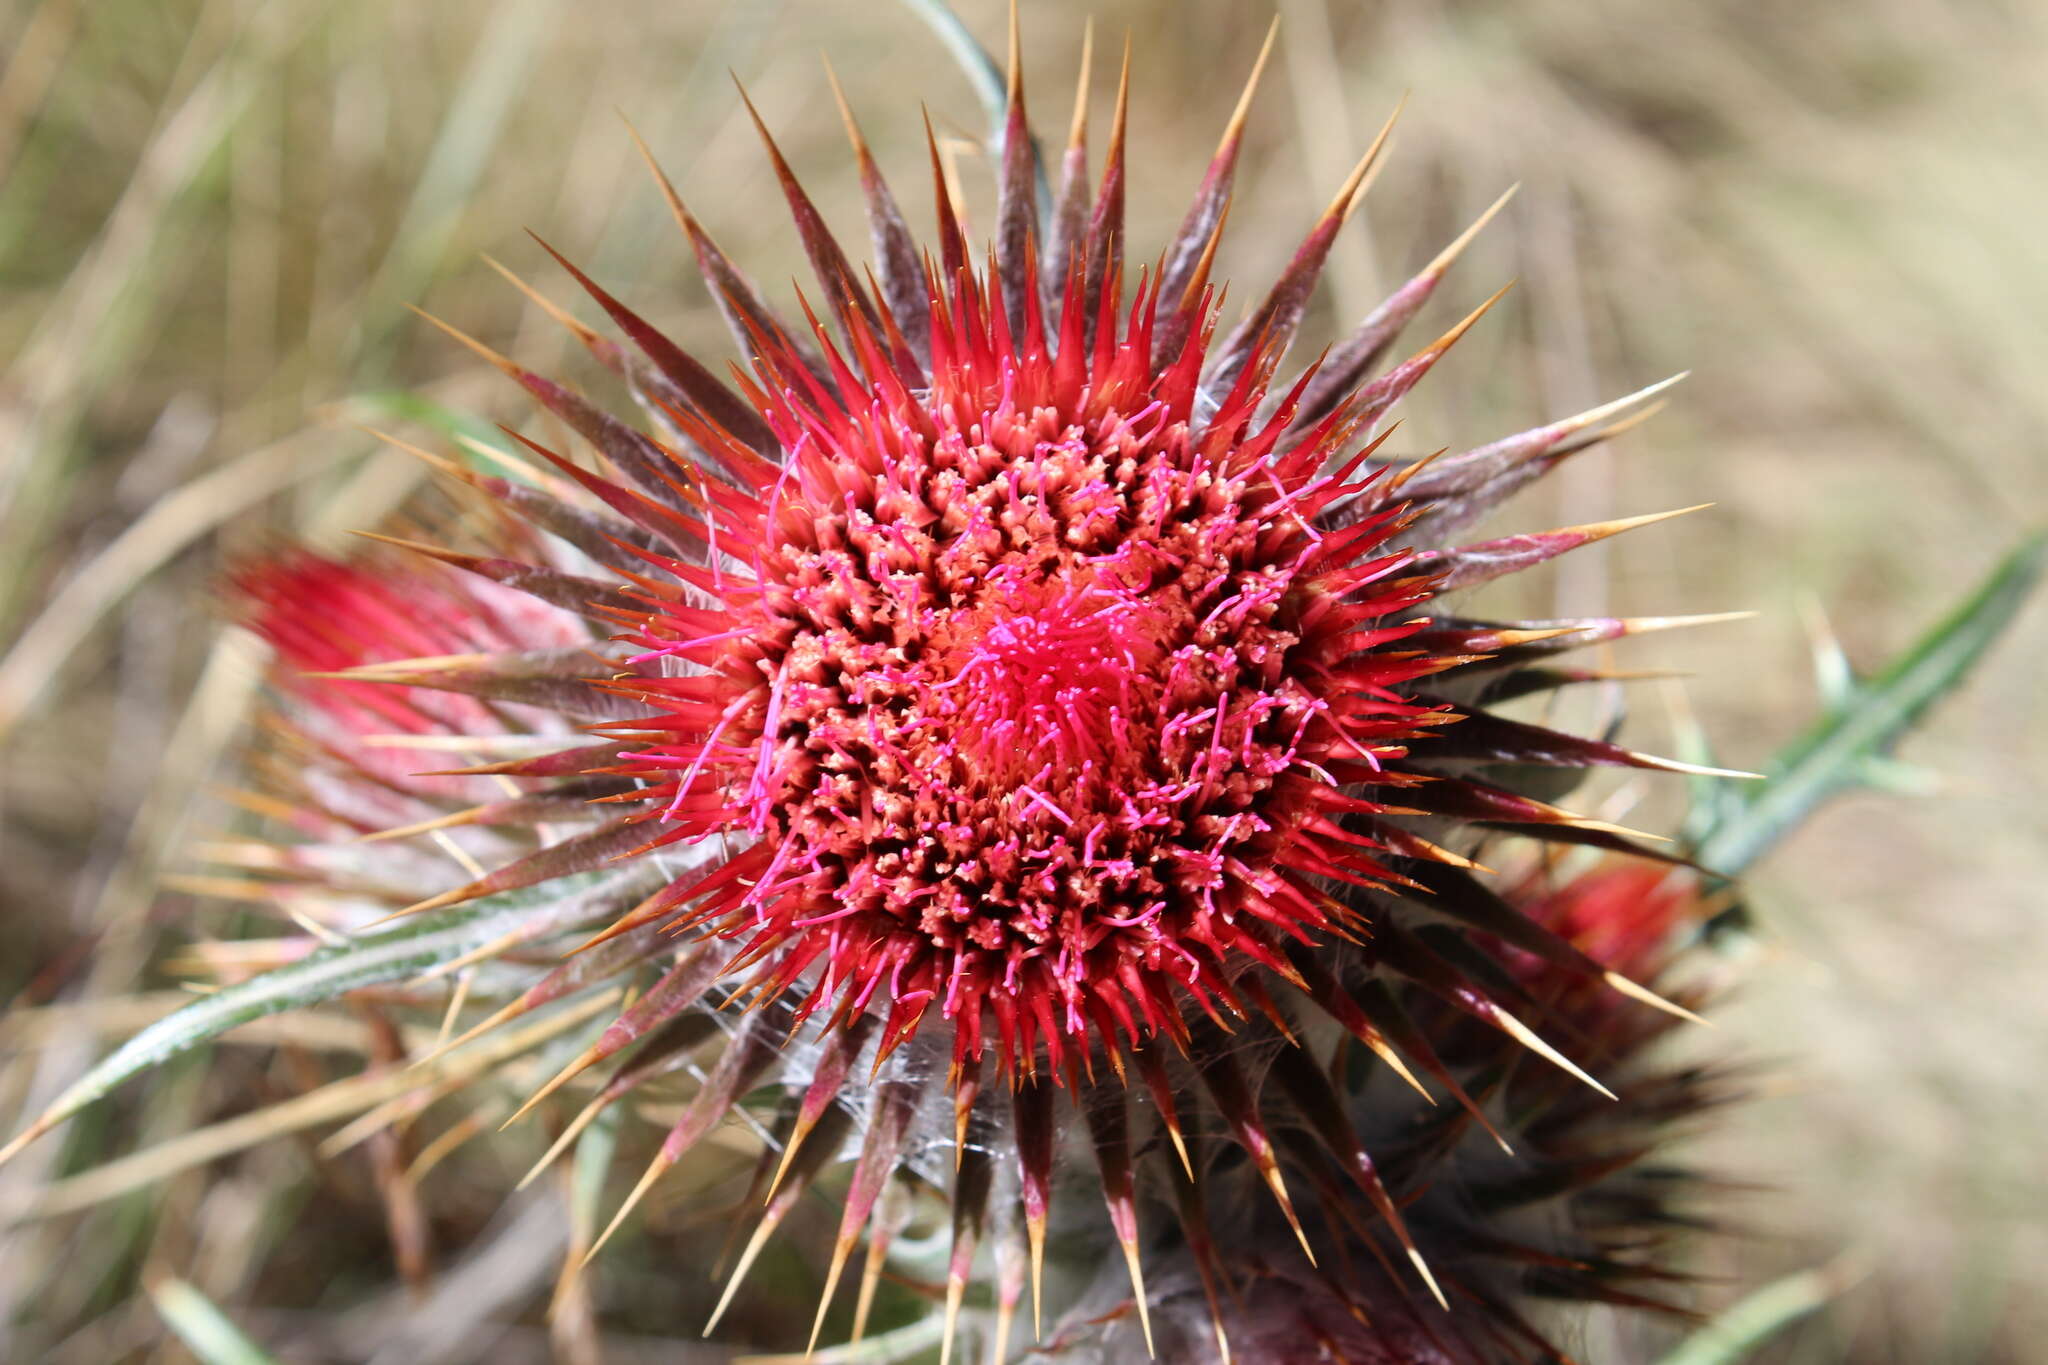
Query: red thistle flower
{"points": [[1037, 693]]}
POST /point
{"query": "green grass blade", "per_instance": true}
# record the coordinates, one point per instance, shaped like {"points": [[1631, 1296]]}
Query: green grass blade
{"points": [[1755, 1319], [1848, 745], [206, 1331]]}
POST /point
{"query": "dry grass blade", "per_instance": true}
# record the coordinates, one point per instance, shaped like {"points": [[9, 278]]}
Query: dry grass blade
{"points": [[38, 657]]}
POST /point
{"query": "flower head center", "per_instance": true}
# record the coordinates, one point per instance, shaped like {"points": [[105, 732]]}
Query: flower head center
{"points": [[1061, 692]]}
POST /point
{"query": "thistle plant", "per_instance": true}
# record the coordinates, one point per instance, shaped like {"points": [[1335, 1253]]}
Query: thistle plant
{"points": [[1013, 739]]}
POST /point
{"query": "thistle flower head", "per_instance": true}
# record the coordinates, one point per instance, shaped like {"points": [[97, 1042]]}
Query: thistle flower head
{"points": [[1033, 688]]}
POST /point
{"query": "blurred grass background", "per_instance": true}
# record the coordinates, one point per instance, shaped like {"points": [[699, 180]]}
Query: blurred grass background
{"points": [[212, 213]]}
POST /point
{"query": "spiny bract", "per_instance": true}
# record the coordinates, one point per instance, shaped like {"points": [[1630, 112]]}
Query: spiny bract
{"points": [[1003, 685]]}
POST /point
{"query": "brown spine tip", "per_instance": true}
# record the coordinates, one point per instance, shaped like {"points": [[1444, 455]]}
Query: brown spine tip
{"points": [[1199, 280], [682, 215], [1451, 338], [1448, 256], [1238, 116], [842, 1251], [655, 1170], [1014, 86], [1137, 1274], [561, 315], [1123, 102], [782, 171], [952, 241], [483, 351], [1353, 190], [853, 133], [1077, 130]]}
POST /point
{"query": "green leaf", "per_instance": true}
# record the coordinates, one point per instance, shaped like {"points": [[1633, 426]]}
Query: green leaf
{"points": [[209, 1333], [1754, 1320], [405, 950], [1850, 744]]}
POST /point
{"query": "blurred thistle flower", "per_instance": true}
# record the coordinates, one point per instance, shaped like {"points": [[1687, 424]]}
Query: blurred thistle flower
{"points": [[1007, 685], [322, 617], [1552, 1198]]}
